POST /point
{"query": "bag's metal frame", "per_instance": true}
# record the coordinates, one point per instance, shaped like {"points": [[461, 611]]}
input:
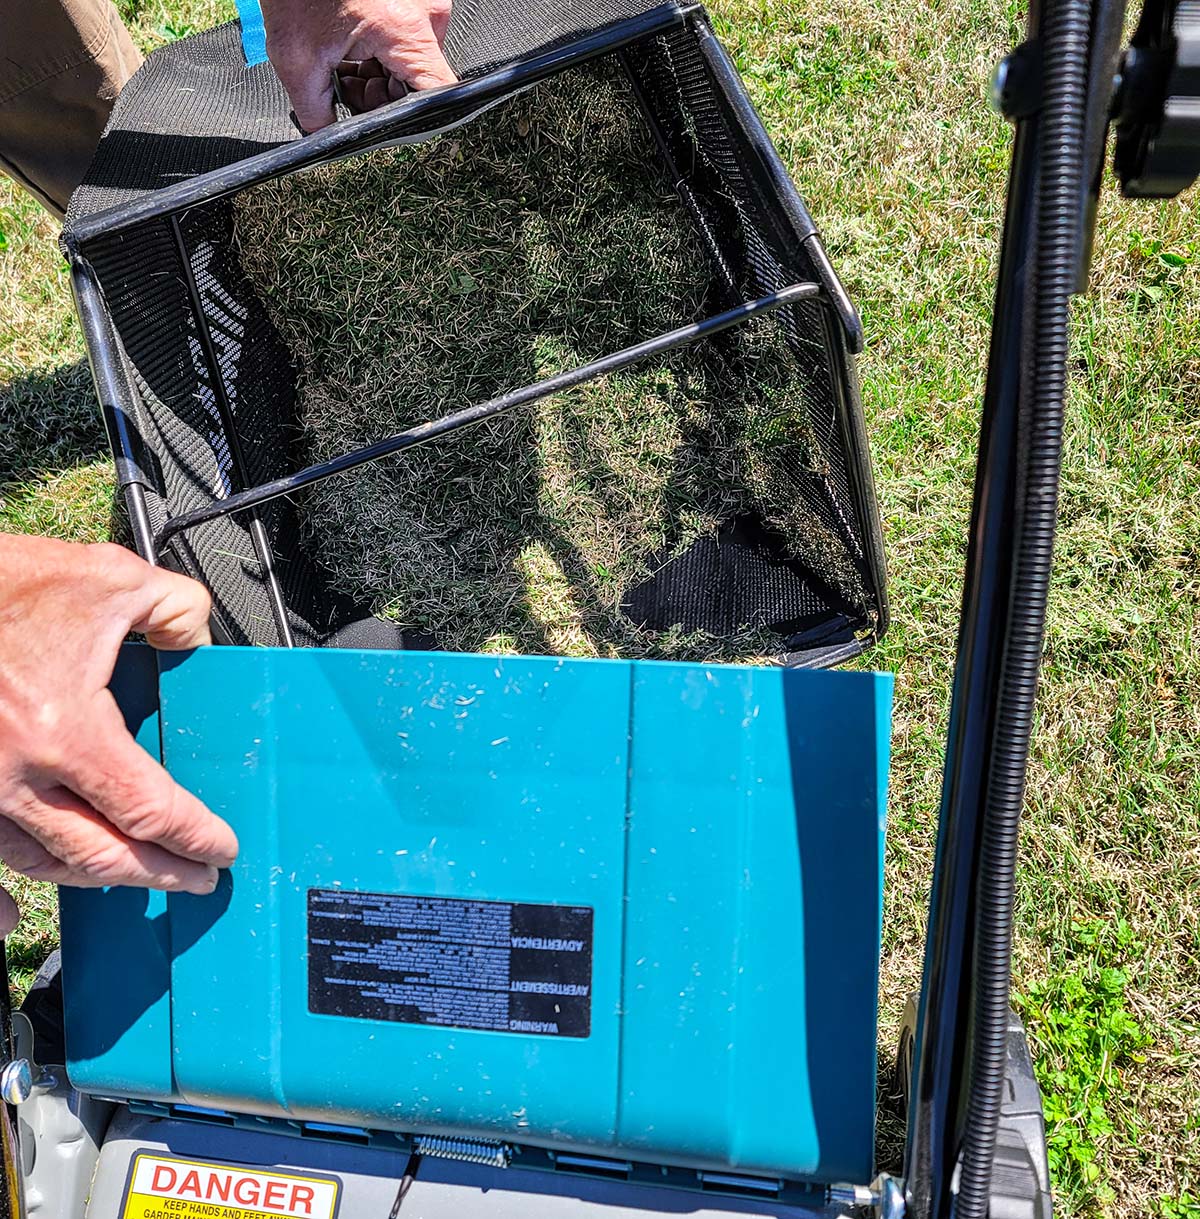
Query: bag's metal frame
{"points": [[843, 328]]}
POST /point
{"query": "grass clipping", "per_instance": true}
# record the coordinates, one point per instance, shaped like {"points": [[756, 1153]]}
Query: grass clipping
{"points": [[422, 279]]}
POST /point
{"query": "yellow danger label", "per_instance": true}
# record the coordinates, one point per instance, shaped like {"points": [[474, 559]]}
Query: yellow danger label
{"points": [[162, 1187]]}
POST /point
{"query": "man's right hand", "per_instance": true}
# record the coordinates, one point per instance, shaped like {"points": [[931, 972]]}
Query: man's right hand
{"points": [[309, 40], [81, 803]]}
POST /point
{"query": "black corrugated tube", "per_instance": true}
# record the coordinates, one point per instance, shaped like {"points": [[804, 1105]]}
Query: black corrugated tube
{"points": [[1065, 41]]}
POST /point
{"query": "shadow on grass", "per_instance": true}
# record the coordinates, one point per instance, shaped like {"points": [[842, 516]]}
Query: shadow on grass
{"points": [[27, 953], [49, 421], [891, 1121]]}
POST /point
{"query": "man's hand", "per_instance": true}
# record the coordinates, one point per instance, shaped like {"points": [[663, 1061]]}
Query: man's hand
{"points": [[308, 40], [81, 803]]}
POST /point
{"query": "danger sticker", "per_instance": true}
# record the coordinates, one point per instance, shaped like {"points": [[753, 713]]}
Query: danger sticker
{"points": [[166, 1188]]}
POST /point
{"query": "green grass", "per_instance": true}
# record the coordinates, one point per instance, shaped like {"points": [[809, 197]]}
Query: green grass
{"points": [[878, 109], [1084, 1035]]}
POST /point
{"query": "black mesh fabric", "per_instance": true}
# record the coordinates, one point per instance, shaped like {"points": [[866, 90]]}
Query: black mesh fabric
{"points": [[678, 85], [195, 106], [485, 34], [178, 416], [191, 108], [215, 403]]}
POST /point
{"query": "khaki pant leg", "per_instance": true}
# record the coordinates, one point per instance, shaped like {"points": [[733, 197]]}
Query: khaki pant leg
{"points": [[62, 64]]}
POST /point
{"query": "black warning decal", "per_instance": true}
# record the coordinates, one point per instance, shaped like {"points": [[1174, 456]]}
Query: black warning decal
{"points": [[508, 967]]}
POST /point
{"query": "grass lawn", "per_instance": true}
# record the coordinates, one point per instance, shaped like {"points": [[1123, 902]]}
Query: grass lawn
{"points": [[878, 109]]}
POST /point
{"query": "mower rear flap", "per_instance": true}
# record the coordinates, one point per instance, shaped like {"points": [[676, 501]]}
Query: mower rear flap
{"points": [[629, 907]]}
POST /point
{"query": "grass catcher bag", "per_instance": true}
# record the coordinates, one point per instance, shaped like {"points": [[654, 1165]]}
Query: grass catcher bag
{"points": [[548, 361]]}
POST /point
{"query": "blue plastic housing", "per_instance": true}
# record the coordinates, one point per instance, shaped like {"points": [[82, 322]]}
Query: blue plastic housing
{"points": [[723, 824]]}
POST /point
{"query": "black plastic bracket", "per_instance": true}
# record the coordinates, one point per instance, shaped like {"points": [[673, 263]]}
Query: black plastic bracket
{"points": [[1016, 90], [1020, 1168], [1020, 1165], [1158, 111]]}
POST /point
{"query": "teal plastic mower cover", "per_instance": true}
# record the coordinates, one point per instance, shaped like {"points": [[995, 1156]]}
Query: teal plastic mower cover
{"points": [[627, 907]]}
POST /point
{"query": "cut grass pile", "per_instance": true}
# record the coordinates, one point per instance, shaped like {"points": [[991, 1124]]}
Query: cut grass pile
{"points": [[531, 240]]}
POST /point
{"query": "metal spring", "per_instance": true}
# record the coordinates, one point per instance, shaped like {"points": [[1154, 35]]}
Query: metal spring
{"points": [[474, 1151]]}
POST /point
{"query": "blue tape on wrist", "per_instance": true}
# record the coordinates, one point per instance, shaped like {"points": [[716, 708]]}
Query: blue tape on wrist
{"points": [[254, 36]]}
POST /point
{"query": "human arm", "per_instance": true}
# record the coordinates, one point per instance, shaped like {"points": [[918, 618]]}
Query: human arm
{"points": [[81, 803]]}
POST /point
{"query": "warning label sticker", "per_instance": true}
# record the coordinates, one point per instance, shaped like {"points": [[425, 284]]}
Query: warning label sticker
{"points": [[161, 1187], [503, 966]]}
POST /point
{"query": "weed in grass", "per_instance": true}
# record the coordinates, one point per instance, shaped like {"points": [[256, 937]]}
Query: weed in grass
{"points": [[1083, 1033], [1185, 1205], [153, 23]]}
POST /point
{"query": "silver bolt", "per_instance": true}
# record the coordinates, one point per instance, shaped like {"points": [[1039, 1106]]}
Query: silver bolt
{"points": [[16, 1082], [862, 1196], [890, 1194]]}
